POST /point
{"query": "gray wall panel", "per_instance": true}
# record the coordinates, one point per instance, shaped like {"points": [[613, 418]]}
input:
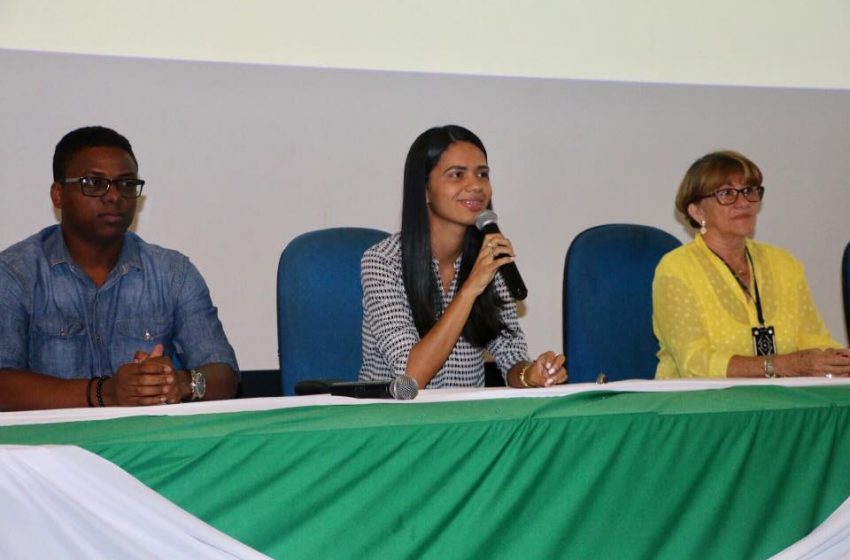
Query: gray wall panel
{"points": [[242, 158]]}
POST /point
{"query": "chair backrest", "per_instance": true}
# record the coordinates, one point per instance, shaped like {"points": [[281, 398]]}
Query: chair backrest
{"points": [[607, 301], [845, 286], [319, 304]]}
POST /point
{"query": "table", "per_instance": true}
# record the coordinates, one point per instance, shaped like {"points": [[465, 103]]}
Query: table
{"points": [[739, 472]]}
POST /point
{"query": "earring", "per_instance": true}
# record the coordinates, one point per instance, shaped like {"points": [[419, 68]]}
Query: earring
{"points": [[702, 229]]}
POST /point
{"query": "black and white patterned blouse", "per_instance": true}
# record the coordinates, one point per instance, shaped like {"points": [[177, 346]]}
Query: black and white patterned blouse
{"points": [[389, 332]]}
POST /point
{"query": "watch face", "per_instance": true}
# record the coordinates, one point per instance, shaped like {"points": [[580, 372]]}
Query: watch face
{"points": [[199, 383]]}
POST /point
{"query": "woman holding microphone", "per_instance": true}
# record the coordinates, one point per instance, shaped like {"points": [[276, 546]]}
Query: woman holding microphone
{"points": [[432, 298]]}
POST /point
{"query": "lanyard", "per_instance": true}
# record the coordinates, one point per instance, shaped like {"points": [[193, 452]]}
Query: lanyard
{"points": [[756, 289], [743, 287]]}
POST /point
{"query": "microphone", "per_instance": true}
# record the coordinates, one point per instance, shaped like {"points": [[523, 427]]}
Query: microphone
{"points": [[402, 388], [486, 222]]}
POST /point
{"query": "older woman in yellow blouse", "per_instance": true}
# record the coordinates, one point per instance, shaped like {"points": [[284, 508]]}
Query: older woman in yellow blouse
{"points": [[727, 306]]}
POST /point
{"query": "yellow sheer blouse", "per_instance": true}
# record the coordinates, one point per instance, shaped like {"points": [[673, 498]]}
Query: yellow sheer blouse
{"points": [[702, 317]]}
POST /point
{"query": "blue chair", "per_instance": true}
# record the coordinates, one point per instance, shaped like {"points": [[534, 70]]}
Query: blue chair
{"points": [[845, 286], [319, 305], [607, 301]]}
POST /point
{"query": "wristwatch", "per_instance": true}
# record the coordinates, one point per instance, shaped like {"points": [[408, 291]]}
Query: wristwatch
{"points": [[199, 384]]}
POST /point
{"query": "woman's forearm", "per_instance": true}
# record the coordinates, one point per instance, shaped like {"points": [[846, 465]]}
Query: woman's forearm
{"points": [[429, 354]]}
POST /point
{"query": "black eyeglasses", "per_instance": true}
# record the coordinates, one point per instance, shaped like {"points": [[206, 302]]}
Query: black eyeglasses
{"points": [[729, 195], [99, 186]]}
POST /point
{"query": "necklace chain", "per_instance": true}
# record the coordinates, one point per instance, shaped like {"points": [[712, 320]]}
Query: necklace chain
{"points": [[736, 273]]}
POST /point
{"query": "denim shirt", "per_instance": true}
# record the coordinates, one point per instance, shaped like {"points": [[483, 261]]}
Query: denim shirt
{"points": [[55, 321]]}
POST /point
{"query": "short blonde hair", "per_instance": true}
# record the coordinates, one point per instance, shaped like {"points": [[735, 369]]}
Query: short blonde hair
{"points": [[709, 173]]}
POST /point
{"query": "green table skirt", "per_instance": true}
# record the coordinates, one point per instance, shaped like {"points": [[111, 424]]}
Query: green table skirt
{"points": [[732, 473]]}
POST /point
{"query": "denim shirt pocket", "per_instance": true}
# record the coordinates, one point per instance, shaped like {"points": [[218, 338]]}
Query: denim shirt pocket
{"points": [[132, 335], [60, 348]]}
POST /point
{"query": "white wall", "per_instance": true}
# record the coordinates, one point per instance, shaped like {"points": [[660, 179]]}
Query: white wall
{"points": [[750, 42]]}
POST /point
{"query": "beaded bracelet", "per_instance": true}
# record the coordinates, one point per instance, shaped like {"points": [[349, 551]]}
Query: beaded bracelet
{"points": [[88, 392], [99, 390]]}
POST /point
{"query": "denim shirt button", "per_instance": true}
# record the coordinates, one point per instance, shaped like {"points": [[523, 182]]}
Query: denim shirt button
{"points": [[63, 332], [147, 335]]}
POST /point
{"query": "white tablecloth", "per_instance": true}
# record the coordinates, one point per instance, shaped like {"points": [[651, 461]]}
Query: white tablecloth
{"points": [[430, 395], [64, 502]]}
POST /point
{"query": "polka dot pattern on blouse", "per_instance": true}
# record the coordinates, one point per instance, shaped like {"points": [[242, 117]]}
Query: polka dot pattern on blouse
{"points": [[702, 317]]}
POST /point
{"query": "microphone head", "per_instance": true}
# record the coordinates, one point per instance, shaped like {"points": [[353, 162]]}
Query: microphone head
{"points": [[484, 218], [403, 388]]}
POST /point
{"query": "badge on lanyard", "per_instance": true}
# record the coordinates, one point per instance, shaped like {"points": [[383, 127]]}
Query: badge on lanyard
{"points": [[764, 341], [764, 337]]}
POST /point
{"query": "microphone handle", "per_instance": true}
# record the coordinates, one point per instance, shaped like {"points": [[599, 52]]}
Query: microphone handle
{"points": [[362, 390], [510, 272]]}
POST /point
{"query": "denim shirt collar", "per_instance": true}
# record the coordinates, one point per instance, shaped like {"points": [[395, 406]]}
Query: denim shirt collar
{"points": [[57, 252]]}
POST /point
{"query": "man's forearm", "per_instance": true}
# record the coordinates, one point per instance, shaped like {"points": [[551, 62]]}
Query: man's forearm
{"points": [[27, 390]]}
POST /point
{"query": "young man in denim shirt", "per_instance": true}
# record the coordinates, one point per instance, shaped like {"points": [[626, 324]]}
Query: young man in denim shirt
{"points": [[90, 314]]}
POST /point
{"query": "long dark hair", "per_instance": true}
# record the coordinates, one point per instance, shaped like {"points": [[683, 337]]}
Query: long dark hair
{"points": [[423, 292]]}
